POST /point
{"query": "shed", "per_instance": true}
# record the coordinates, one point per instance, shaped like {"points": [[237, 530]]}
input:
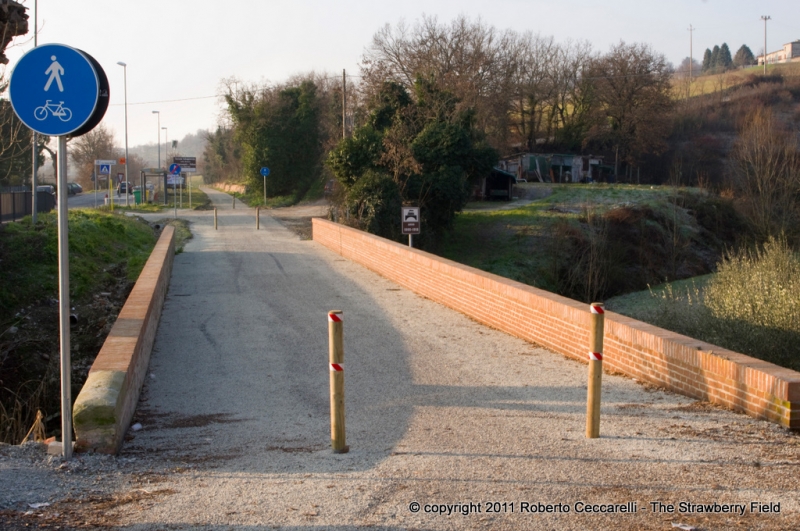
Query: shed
{"points": [[499, 184]]}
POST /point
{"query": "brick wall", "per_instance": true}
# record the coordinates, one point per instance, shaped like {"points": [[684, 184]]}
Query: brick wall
{"points": [[631, 347], [107, 401]]}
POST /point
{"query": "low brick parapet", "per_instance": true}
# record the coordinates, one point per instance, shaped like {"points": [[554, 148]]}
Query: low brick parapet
{"points": [[107, 401], [645, 352]]}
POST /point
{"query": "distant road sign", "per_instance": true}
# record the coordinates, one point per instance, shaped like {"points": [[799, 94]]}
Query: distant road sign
{"points": [[105, 169], [120, 177], [100, 162], [187, 164], [265, 171], [54, 89], [174, 169], [410, 220]]}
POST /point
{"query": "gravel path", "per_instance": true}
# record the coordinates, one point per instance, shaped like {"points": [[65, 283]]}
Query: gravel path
{"points": [[440, 409]]}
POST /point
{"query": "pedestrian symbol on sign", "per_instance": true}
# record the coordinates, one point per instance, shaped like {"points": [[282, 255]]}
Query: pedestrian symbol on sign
{"points": [[105, 169], [55, 71]]}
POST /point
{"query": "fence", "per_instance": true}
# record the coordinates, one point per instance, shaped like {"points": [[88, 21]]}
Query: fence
{"points": [[16, 205]]}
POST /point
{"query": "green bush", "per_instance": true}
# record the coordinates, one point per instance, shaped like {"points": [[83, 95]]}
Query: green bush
{"points": [[752, 305]]}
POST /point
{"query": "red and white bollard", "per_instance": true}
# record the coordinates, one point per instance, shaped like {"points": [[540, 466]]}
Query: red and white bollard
{"points": [[336, 365], [595, 370]]}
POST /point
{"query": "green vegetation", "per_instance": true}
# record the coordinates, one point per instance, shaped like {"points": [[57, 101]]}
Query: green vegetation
{"points": [[99, 242], [752, 305], [595, 241], [107, 253], [278, 129], [421, 150]]}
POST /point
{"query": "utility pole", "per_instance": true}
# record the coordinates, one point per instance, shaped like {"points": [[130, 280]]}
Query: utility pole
{"points": [[344, 103], [765, 18], [691, 54]]}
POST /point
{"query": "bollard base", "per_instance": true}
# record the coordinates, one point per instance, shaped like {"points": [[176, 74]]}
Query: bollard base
{"points": [[342, 450]]}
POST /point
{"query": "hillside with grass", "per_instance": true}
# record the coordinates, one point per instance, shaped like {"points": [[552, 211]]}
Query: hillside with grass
{"points": [[107, 253], [594, 241]]}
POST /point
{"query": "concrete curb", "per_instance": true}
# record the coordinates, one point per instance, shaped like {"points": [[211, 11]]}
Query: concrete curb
{"points": [[105, 405], [673, 361]]}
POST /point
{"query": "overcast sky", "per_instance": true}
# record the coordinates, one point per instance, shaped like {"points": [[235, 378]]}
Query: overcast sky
{"points": [[178, 51]]}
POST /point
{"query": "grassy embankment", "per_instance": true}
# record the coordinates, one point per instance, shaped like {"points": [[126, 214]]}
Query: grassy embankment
{"points": [[718, 83], [107, 253], [751, 305], [643, 236], [634, 235]]}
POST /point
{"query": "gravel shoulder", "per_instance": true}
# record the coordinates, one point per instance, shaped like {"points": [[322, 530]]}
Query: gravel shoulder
{"points": [[440, 410]]}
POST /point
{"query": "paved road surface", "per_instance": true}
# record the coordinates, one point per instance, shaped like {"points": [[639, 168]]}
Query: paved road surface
{"points": [[440, 410]]}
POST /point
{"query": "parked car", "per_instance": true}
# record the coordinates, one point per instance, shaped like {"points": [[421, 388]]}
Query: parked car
{"points": [[124, 188], [74, 188]]}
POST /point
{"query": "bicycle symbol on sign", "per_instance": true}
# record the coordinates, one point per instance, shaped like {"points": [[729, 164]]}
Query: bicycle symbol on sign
{"points": [[40, 113]]}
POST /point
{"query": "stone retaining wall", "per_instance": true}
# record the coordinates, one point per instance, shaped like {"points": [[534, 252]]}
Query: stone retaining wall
{"points": [[105, 406], [631, 347]]}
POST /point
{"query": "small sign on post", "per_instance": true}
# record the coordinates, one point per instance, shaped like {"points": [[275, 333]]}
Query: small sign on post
{"points": [[187, 164], [265, 174], [59, 106], [410, 223]]}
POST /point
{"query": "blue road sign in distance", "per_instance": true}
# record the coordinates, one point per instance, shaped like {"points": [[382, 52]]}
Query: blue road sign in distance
{"points": [[105, 169], [174, 169], [264, 171], [54, 89]]}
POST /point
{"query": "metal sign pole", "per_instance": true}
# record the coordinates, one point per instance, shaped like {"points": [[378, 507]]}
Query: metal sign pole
{"points": [[63, 299], [96, 175]]}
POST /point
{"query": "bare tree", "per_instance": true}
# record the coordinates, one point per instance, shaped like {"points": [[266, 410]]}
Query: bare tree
{"points": [[13, 23], [469, 58], [632, 84], [95, 145], [766, 167]]}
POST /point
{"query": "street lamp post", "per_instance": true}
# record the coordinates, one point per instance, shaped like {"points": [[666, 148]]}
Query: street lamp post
{"points": [[159, 152], [166, 156], [159, 137], [127, 181]]}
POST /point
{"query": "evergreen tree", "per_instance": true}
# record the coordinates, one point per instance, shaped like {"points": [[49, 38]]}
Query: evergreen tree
{"points": [[715, 58], [744, 57], [707, 60], [279, 129], [724, 61], [416, 148]]}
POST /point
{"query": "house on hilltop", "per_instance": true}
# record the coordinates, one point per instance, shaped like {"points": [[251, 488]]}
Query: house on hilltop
{"points": [[788, 54]]}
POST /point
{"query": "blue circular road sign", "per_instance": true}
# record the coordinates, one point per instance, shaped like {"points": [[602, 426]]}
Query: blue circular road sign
{"points": [[264, 171], [54, 89], [174, 169]]}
